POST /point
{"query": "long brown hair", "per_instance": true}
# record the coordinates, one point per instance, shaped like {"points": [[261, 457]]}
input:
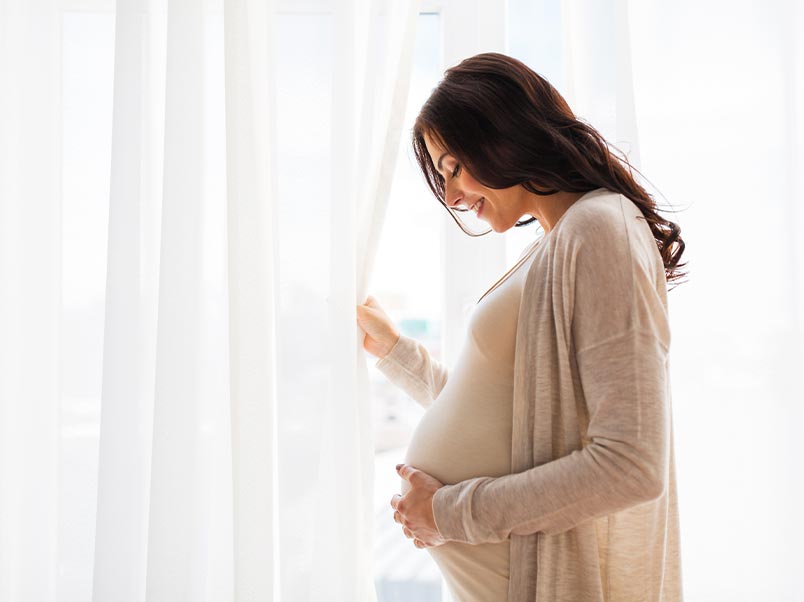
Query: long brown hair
{"points": [[509, 126]]}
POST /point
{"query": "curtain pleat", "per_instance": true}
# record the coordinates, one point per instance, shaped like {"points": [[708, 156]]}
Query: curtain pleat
{"points": [[127, 410], [364, 138], [252, 207], [30, 295], [598, 79], [385, 104], [176, 502]]}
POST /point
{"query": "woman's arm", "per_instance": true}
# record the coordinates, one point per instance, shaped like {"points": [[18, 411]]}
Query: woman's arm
{"points": [[403, 360], [411, 367], [624, 464]]}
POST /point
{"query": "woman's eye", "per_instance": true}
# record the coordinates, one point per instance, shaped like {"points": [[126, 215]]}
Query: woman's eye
{"points": [[455, 171]]}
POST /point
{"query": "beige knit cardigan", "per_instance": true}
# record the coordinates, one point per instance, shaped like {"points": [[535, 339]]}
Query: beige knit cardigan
{"points": [[590, 505]]}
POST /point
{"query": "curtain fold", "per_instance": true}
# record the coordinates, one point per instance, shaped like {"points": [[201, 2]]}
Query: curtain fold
{"points": [[121, 535], [252, 208], [368, 106], [597, 70], [189, 530], [30, 311], [389, 63]]}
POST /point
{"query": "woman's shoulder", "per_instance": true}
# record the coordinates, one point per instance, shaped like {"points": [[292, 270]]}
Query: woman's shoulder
{"points": [[602, 247], [601, 230], [606, 220], [600, 213]]}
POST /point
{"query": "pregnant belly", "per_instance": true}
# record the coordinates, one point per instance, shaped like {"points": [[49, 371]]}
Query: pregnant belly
{"points": [[466, 433]]}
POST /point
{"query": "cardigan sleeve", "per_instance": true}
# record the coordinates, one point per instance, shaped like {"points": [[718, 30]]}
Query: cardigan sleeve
{"points": [[620, 343], [411, 367]]}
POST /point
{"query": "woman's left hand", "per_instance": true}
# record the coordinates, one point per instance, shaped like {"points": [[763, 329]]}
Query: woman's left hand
{"points": [[414, 510]]}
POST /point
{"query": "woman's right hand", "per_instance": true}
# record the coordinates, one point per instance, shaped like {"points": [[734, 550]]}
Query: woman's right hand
{"points": [[381, 335]]}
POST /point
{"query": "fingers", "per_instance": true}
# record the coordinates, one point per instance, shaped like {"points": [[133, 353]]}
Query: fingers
{"points": [[363, 311], [416, 542], [373, 307], [395, 501], [370, 302], [367, 315], [408, 472], [408, 533], [365, 307]]}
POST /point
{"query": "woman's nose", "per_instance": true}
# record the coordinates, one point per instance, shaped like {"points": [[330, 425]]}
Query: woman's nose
{"points": [[454, 198]]}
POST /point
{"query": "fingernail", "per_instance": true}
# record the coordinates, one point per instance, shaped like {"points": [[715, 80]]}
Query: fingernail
{"points": [[398, 466]]}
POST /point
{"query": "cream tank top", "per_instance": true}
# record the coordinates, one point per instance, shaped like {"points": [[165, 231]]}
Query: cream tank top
{"points": [[466, 431]]}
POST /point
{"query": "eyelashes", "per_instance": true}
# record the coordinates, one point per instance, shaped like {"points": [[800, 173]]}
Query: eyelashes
{"points": [[455, 172]]}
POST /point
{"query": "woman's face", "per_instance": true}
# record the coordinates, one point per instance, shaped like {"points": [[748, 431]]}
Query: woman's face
{"points": [[500, 207]]}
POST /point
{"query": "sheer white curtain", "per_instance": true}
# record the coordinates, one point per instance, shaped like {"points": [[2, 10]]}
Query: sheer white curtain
{"points": [[718, 91], [30, 235], [598, 83], [248, 181]]}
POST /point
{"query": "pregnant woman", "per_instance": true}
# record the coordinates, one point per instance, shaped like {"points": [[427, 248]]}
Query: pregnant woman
{"points": [[543, 468]]}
